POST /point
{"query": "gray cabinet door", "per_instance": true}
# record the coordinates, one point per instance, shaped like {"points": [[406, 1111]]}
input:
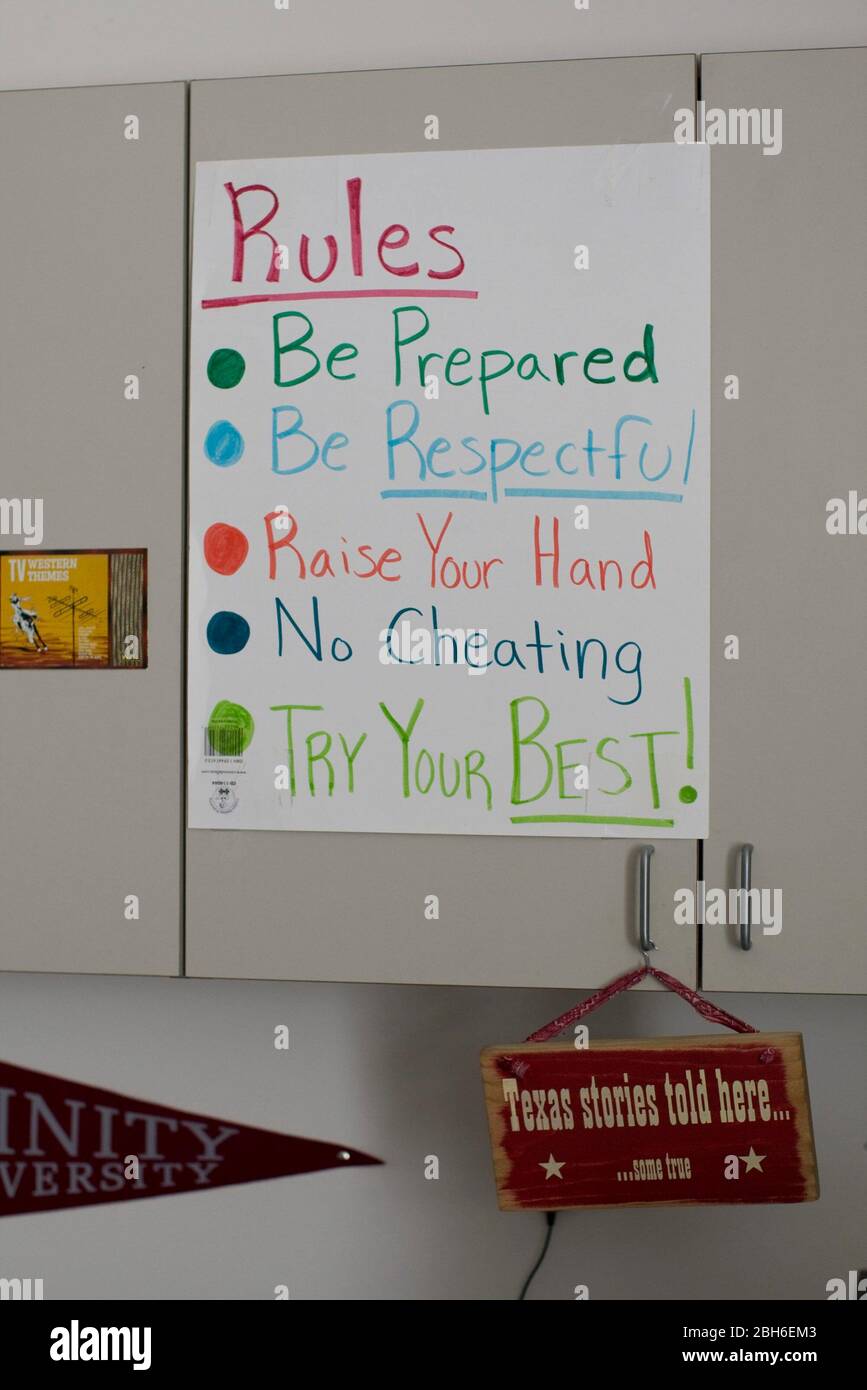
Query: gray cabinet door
{"points": [[351, 907], [789, 304], [92, 256]]}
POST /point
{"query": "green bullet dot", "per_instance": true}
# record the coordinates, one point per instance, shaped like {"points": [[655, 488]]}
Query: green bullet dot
{"points": [[230, 729], [688, 794], [225, 368]]}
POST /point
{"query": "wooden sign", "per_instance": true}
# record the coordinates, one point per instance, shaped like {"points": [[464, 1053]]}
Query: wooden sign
{"points": [[651, 1122]]}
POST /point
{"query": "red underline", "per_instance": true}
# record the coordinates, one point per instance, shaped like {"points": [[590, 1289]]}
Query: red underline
{"points": [[234, 300]]}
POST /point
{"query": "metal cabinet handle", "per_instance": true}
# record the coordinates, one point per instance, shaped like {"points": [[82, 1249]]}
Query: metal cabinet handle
{"points": [[644, 940], [744, 904]]}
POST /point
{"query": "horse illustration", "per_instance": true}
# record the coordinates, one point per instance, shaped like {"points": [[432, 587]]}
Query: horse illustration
{"points": [[25, 620]]}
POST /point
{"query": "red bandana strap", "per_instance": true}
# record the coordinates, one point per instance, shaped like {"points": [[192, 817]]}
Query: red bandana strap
{"points": [[710, 1011]]}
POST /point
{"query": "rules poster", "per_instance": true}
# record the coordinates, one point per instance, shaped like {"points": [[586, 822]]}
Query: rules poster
{"points": [[449, 491]]}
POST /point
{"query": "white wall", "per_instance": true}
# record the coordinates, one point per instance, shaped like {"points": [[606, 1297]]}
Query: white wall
{"points": [[387, 1069], [394, 1070]]}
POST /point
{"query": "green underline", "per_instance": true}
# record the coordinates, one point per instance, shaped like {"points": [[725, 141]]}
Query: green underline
{"points": [[590, 820]]}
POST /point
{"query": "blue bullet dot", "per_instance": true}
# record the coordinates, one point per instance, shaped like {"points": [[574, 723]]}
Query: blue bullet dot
{"points": [[228, 633], [224, 444]]}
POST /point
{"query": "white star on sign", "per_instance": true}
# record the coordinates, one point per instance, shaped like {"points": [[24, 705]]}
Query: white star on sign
{"points": [[552, 1168], [753, 1160]]}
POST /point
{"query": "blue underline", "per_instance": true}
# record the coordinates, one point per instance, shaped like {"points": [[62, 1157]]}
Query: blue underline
{"points": [[593, 492], [454, 492], [467, 494]]}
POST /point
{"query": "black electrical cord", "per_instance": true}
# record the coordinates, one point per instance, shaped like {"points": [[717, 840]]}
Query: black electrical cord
{"points": [[550, 1218]]}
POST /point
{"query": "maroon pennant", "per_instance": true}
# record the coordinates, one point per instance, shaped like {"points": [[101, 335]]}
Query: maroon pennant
{"points": [[63, 1144]]}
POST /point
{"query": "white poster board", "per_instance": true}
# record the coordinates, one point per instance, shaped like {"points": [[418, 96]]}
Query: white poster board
{"points": [[449, 491]]}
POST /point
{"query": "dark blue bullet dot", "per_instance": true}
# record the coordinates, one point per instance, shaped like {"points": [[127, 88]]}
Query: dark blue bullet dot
{"points": [[228, 633]]}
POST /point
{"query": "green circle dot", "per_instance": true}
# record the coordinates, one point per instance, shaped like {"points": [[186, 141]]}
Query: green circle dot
{"points": [[230, 729], [225, 368], [688, 794]]}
